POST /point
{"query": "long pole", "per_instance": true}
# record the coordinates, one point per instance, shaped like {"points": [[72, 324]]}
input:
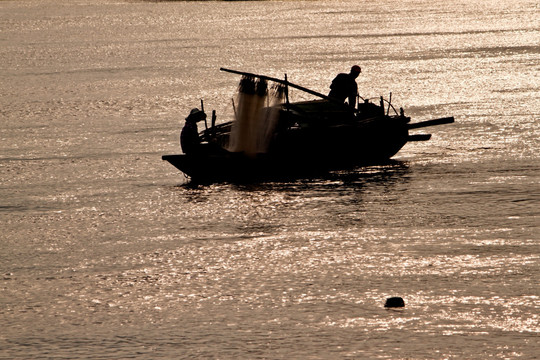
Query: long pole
{"points": [[441, 121], [287, 83]]}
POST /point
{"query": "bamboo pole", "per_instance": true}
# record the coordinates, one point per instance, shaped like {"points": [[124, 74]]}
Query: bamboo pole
{"points": [[288, 83]]}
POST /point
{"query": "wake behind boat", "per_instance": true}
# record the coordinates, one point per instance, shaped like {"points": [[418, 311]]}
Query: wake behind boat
{"points": [[272, 137]]}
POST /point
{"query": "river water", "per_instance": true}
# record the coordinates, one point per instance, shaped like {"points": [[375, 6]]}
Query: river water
{"points": [[108, 252]]}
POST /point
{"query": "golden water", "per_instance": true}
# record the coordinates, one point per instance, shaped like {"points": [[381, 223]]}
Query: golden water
{"points": [[105, 253]]}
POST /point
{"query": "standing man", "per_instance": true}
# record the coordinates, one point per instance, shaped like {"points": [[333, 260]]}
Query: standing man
{"points": [[344, 86]]}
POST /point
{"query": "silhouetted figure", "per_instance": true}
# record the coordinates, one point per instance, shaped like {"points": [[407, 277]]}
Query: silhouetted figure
{"points": [[344, 86], [189, 137]]}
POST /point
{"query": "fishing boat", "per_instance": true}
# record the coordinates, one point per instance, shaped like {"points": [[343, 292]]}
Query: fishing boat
{"points": [[296, 139]]}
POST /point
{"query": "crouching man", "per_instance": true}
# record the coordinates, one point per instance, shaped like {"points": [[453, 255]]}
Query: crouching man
{"points": [[189, 137]]}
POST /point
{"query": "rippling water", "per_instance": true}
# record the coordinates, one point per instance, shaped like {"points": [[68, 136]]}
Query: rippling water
{"points": [[107, 252]]}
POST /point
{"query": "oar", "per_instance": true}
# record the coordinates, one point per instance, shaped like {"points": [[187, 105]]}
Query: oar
{"points": [[446, 120], [419, 137]]}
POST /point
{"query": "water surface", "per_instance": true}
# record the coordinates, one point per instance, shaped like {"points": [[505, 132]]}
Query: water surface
{"points": [[107, 251]]}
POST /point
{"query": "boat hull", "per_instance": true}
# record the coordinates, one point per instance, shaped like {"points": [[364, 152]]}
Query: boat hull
{"points": [[299, 152]]}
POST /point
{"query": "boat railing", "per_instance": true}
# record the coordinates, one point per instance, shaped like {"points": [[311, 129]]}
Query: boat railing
{"points": [[385, 104]]}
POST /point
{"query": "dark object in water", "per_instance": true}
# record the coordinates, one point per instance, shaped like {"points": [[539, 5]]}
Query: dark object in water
{"points": [[309, 138], [394, 302]]}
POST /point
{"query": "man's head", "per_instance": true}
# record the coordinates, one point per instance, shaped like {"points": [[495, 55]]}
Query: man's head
{"points": [[196, 115], [355, 71]]}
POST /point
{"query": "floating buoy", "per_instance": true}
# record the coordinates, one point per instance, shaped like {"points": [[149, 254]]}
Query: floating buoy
{"points": [[394, 302]]}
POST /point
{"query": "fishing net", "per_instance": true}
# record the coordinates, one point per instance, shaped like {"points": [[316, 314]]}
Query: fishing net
{"points": [[256, 116]]}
